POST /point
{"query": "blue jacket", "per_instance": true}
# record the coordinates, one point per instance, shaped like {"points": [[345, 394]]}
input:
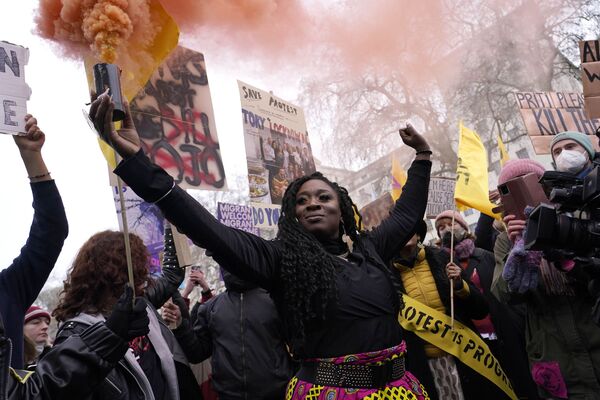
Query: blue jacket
{"points": [[21, 283]]}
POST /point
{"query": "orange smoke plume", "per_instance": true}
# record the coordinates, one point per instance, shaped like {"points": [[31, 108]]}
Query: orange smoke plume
{"points": [[111, 30]]}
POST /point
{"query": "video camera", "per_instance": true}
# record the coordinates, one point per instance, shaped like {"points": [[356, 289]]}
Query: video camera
{"points": [[571, 226]]}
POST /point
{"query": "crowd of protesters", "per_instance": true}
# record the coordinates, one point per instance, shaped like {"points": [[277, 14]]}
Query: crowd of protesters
{"points": [[314, 313]]}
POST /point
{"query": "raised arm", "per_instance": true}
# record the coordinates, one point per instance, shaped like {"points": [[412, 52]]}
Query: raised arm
{"points": [[24, 279], [246, 255], [393, 233]]}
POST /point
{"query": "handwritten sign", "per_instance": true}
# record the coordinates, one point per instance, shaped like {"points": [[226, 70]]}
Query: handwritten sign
{"points": [[14, 91], [441, 196], [546, 114], [265, 216], [237, 216], [590, 76], [277, 146], [174, 115]]}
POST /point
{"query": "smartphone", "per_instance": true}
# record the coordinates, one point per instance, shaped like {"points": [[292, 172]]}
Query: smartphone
{"points": [[107, 76], [520, 192]]}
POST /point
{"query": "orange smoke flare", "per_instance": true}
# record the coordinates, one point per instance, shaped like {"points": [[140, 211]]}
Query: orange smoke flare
{"points": [[109, 29]]}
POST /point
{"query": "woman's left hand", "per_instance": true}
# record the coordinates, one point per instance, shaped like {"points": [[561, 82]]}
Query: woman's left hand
{"points": [[413, 139]]}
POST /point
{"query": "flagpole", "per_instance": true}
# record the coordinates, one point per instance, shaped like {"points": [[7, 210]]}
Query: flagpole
{"points": [[125, 231], [451, 262]]}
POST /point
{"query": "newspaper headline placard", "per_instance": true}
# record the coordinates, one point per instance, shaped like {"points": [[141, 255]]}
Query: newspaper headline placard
{"points": [[237, 216], [14, 91], [277, 146], [440, 197], [546, 114]]}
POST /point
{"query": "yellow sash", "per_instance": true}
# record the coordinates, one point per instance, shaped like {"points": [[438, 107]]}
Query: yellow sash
{"points": [[21, 375], [461, 342]]}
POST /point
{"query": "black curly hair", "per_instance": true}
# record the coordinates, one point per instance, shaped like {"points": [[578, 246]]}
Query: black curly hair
{"points": [[307, 269]]}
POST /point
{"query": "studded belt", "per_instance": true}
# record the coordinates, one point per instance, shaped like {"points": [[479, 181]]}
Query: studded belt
{"points": [[355, 376]]}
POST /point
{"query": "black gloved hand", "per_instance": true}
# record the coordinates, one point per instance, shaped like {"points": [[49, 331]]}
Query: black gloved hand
{"points": [[126, 320]]}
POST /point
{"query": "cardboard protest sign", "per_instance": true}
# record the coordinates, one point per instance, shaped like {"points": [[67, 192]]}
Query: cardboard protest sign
{"points": [[590, 76], [546, 114], [376, 211], [265, 216], [277, 146], [441, 196], [146, 221], [237, 216], [14, 91], [174, 116]]}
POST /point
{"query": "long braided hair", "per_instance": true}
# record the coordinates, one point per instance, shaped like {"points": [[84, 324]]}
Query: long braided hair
{"points": [[307, 269]]}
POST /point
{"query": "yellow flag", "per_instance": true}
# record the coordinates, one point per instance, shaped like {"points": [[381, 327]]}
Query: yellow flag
{"points": [[398, 178], [132, 81], [471, 190], [503, 153]]}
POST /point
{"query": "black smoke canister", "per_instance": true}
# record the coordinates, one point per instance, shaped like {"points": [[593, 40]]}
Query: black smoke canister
{"points": [[107, 76]]}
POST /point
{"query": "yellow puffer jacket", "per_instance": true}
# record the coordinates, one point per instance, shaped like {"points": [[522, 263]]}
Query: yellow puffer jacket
{"points": [[419, 284]]}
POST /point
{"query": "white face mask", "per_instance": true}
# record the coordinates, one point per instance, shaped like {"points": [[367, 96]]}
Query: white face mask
{"points": [[571, 161]]}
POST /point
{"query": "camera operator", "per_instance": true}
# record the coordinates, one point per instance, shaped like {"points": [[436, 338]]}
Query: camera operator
{"points": [[563, 342]]}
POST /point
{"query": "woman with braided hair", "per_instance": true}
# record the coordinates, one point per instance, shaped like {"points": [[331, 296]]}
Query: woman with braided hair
{"points": [[337, 301]]}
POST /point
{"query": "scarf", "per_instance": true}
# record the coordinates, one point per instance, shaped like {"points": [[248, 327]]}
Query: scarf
{"points": [[463, 250]]}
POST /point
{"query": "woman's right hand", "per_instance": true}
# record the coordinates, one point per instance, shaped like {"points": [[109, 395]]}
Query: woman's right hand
{"points": [[414, 139], [126, 141]]}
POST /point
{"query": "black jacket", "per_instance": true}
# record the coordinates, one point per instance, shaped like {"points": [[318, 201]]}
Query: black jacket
{"points": [[22, 281], [474, 306], [124, 382], [241, 330], [510, 346], [71, 370]]}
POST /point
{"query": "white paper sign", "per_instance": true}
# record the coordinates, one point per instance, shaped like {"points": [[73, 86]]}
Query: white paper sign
{"points": [[14, 91]]}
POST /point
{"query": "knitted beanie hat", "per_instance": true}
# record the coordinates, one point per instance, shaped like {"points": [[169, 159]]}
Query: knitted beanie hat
{"points": [[457, 218], [514, 168], [34, 312], [582, 139]]}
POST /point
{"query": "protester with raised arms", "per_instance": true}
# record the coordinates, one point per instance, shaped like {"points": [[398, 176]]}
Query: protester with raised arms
{"points": [[23, 280], [338, 302]]}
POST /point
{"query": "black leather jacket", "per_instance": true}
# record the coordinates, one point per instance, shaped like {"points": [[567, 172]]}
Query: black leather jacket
{"points": [[123, 383], [70, 370]]}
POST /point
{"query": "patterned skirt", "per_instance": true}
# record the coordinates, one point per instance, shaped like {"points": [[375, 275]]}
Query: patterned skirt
{"points": [[407, 387]]}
